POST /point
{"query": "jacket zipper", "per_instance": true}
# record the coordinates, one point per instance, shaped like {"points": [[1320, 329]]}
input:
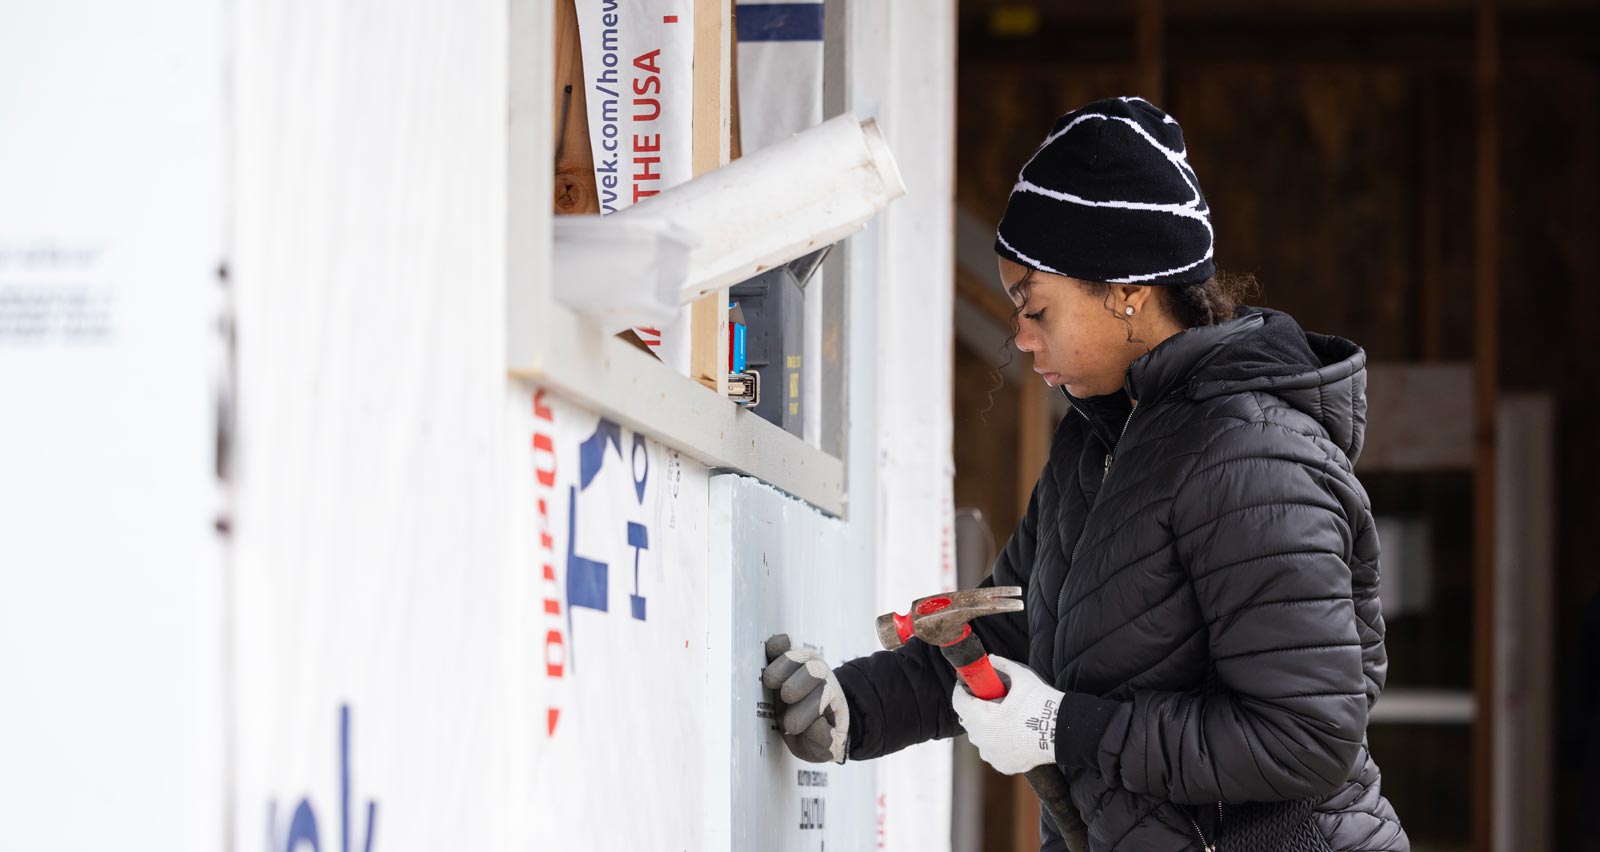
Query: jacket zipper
{"points": [[1111, 457], [1204, 846]]}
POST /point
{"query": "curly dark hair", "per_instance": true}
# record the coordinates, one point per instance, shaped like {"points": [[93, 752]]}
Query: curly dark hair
{"points": [[1207, 302]]}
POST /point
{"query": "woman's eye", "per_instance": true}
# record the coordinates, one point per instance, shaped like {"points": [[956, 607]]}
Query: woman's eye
{"points": [[1035, 315]]}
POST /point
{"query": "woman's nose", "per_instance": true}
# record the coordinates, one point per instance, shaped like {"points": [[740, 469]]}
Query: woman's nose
{"points": [[1026, 342]]}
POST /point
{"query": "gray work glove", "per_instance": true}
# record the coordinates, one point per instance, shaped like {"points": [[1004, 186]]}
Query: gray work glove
{"points": [[812, 712]]}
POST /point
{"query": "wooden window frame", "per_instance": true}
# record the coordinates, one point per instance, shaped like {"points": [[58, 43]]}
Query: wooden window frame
{"points": [[549, 345]]}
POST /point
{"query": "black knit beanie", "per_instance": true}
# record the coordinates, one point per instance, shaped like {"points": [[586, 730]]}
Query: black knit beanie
{"points": [[1110, 197]]}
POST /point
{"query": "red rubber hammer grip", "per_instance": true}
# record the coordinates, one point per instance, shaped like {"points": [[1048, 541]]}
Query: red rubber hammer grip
{"points": [[967, 656], [982, 680]]}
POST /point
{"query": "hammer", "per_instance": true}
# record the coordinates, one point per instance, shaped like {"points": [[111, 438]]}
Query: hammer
{"points": [[942, 620]]}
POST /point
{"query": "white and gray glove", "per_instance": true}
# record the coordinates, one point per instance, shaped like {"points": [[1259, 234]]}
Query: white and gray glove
{"points": [[1017, 732], [813, 714]]}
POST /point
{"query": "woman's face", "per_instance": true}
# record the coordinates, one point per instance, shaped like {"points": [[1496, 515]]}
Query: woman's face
{"points": [[1077, 334]]}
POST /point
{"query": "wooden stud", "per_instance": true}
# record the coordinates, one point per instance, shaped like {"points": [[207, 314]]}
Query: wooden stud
{"points": [[1024, 816], [575, 190], [1430, 305], [1486, 352], [1149, 25], [985, 296], [1035, 421], [708, 326], [712, 84], [735, 147], [1033, 439]]}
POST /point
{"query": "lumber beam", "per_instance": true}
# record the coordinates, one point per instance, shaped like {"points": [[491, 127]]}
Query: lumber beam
{"points": [[712, 148], [1024, 815], [575, 190], [1149, 32], [1486, 363]]}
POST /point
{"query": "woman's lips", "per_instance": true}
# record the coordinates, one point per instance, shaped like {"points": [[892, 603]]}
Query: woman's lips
{"points": [[1051, 379]]}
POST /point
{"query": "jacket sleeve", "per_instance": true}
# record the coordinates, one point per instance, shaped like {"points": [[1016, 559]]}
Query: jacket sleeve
{"points": [[900, 698], [1265, 526]]}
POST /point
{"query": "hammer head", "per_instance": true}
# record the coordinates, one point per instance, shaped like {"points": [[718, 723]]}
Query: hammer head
{"points": [[942, 619]]}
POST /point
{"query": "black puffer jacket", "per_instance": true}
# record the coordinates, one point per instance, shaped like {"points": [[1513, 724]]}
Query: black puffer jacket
{"points": [[1201, 576]]}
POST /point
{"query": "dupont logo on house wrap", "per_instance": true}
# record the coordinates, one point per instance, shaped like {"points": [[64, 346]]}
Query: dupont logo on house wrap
{"points": [[555, 639], [595, 526], [589, 578]]}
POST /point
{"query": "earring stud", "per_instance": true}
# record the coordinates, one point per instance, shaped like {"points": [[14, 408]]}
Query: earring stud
{"points": [[1128, 310]]}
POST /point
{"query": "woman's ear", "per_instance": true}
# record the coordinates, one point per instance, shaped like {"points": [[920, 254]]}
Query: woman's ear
{"points": [[1133, 296]]}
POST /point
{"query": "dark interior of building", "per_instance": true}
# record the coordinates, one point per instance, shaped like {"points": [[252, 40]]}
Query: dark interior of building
{"points": [[1422, 177]]}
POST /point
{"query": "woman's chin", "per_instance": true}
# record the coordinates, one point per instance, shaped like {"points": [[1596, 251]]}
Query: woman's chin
{"points": [[1081, 390]]}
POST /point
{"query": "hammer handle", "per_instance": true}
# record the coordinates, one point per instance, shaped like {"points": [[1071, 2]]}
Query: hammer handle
{"points": [[1051, 786], [972, 663]]}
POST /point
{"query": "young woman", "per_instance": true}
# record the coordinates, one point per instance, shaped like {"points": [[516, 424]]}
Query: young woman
{"points": [[1203, 640]]}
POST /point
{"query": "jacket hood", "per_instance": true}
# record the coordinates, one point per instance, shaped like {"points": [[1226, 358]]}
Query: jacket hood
{"points": [[1322, 375], [1264, 350]]}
